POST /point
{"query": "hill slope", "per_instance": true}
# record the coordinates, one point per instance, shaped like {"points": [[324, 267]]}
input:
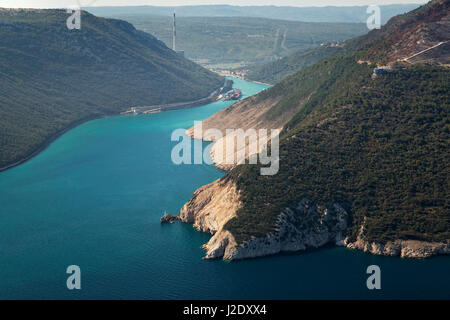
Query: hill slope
{"points": [[363, 163], [52, 78], [420, 36], [276, 71], [219, 40], [427, 43], [352, 14]]}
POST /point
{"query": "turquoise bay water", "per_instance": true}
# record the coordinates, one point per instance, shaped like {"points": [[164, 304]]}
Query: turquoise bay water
{"points": [[94, 199]]}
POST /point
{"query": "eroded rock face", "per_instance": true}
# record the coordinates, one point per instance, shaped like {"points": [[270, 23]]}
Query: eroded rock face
{"points": [[309, 225], [306, 226], [169, 218], [402, 248], [221, 245], [212, 206]]}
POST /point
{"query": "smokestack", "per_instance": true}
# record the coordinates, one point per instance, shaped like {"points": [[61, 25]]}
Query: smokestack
{"points": [[174, 40]]}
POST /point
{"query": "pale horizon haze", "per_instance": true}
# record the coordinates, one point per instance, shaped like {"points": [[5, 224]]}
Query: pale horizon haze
{"points": [[296, 3]]}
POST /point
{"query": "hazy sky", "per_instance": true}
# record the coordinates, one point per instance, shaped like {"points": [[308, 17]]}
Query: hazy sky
{"points": [[85, 3]]}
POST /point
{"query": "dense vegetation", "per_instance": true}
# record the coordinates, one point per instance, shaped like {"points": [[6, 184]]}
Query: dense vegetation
{"points": [[215, 41], [352, 14], [276, 71], [377, 146], [52, 78]]}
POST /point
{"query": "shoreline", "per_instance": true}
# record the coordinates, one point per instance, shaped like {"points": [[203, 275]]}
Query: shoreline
{"points": [[213, 205], [212, 97], [259, 82], [47, 142], [208, 214]]}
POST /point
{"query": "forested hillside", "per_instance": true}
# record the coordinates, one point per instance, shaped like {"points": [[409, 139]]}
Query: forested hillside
{"points": [[242, 40], [427, 42], [276, 71], [376, 146], [52, 78], [368, 146]]}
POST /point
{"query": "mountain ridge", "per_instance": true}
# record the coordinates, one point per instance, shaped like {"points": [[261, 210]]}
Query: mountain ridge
{"points": [[370, 150], [53, 78], [427, 43], [218, 41], [356, 14]]}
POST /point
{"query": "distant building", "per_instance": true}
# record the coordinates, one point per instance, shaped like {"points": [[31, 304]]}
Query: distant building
{"points": [[174, 34], [331, 44], [378, 71], [174, 37]]}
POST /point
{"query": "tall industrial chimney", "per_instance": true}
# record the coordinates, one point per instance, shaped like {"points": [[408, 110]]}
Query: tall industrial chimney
{"points": [[174, 40]]}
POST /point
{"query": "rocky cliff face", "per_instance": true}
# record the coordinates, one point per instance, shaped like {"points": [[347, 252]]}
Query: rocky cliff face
{"points": [[401, 248], [417, 37], [308, 225], [212, 206]]}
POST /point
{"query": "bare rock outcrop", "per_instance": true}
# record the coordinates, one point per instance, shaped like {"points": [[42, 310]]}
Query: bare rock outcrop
{"points": [[212, 206], [169, 218], [307, 226], [221, 245], [401, 248]]}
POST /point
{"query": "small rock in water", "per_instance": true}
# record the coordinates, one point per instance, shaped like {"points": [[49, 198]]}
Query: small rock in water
{"points": [[169, 218]]}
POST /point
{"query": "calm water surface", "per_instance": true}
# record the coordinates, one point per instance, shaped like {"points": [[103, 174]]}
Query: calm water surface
{"points": [[94, 199]]}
